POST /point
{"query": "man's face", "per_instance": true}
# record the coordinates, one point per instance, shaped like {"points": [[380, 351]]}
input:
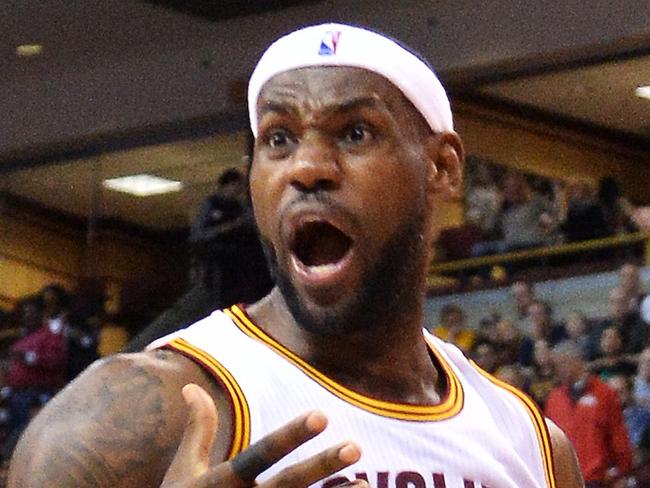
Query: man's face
{"points": [[618, 304], [568, 368], [233, 189], [539, 318], [522, 294], [610, 342], [485, 357], [628, 277], [514, 189], [576, 325], [338, 185], [31, 316], [454, 319], [542, 354]]}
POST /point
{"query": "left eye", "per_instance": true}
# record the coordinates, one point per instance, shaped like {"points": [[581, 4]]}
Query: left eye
{"points": [[357, 133]]}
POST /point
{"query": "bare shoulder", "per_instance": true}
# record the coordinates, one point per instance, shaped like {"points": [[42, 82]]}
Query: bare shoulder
{"points": [[565, 462], [117, 425]]}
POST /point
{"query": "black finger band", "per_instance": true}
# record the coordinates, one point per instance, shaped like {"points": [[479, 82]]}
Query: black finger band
{"points": [[250, 463]]}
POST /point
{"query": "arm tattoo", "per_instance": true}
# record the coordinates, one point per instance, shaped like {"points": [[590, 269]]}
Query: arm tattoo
{"points": [[113, 431]]}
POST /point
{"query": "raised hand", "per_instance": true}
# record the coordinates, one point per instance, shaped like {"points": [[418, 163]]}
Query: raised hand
{"points": [[191, 465]]}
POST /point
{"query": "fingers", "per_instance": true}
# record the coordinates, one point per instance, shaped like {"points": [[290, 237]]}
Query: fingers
{"points": [[263, 454], [242, 471], [190, 465], [322, 465], [192, 457]]}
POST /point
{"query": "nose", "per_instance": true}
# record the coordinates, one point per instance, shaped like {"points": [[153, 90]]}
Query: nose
{"points": [[315, 166]]}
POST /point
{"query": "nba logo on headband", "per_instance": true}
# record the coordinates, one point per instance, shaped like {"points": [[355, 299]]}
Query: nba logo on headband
{"points": [[320, 45], [328, 43]]}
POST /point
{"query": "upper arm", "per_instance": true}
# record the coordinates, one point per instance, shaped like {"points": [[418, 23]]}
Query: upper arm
{"points": [[117, 425], [565, 463]]}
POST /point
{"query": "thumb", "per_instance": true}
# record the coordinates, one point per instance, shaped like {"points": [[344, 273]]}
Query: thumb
{"points": [[193, 455]]}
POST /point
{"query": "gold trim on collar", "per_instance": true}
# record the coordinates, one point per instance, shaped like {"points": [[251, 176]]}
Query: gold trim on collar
{"points": [[450, 406]]}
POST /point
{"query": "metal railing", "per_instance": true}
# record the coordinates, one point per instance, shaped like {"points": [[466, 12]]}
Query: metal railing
{"points": [[440, 269]]}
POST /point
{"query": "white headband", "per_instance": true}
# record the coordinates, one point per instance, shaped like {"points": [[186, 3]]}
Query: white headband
{"points": [[344, 45]]}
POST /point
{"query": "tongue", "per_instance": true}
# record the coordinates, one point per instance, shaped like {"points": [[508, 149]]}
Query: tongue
{"points": [[319, 243]]}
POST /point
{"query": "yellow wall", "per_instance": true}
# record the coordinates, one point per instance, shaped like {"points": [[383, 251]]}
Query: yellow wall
{"points": [[547, 151], [36, 251]]}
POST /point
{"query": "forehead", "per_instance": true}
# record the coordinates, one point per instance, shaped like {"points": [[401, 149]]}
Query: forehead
{"points": [[325, 87]]}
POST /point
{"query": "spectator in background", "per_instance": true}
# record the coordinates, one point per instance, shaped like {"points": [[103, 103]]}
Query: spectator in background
{"points": [[542, 373], [642, 379], [577, 329], [542, 327], [456, 242], [527, 219], [229, 264], [484, 354], [633, 330], [483, 200], [55, 307], [617, 210], [452, 328], [584, 218], [612, 361], [589, 413], [224, 241], [487, 327], [637, 417], [507, 340], [629, 281], [524, 296], [512, 375], [37, 363]]}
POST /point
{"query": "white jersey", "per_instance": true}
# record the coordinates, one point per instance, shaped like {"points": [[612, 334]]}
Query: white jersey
{"points": [[483, 434]]}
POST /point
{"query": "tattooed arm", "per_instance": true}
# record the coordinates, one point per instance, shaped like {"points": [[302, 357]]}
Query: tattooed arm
{"points": [[117, 425]]}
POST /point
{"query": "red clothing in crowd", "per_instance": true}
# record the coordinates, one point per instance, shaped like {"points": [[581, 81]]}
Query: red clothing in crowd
{"points": [[594, 424], [39, 360]]}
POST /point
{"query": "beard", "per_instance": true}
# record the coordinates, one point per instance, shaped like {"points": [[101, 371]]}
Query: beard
{"points": [[390, 287]]}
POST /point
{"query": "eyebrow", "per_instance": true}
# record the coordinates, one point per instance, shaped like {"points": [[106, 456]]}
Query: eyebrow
{"points": [[342, 107]]}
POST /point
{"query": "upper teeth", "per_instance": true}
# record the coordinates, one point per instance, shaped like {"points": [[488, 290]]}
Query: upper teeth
{"points": [[323, 268]]}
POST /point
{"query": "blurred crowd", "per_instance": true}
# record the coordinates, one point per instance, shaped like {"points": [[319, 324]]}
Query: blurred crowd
{"points": [[52, 336], [508, 210], [46, 341], [590, 375]]}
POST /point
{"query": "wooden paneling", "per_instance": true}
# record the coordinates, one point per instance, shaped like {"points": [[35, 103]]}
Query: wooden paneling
{"points": [[36, 251], [548, 151]]}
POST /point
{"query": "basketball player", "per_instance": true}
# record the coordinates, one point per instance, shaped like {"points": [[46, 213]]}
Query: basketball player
{"points": [[354, 149]]}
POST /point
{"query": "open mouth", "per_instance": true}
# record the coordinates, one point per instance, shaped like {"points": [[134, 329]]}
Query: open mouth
{"points": [[320, 244]]}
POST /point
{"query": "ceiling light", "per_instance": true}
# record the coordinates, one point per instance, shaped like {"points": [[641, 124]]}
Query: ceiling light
{"points": [[142, 185], [643, 92], [29, 50]]}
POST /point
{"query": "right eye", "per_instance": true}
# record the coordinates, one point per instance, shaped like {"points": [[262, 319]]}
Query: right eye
{"points": [[278, 138]]}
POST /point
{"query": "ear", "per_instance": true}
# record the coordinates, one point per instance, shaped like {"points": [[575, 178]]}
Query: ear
{"points": [[447, 158]]}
